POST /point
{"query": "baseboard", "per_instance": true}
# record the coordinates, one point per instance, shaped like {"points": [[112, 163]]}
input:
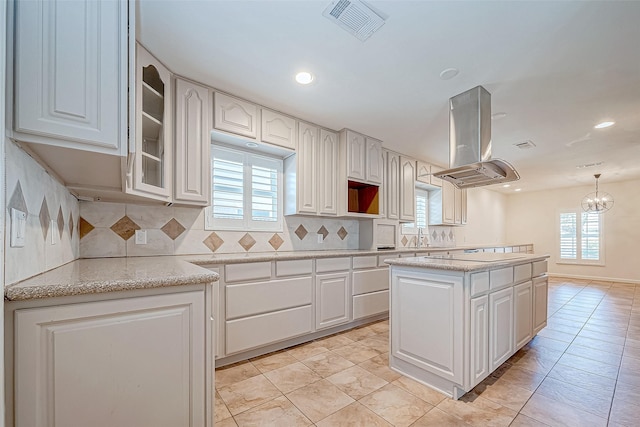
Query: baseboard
{"points": [[595, 278]]}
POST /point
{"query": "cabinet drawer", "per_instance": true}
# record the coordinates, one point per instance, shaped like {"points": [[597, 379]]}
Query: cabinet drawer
{"points": [[251, 332], [479, 283], [324, 265], [370, 304], [294, 267], [247, 271], [521, 273], [539, 267], [501, 277], [255, 298], [364, 262], [370, 281]]}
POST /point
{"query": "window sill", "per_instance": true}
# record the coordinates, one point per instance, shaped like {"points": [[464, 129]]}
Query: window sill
{"points": [[595, 264]]}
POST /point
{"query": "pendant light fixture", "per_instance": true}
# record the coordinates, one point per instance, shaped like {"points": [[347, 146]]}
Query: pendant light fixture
{"points": [[597, 202]]}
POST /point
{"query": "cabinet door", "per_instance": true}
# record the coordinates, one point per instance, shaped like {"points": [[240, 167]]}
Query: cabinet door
{"points": [[130, 362], [278, 129], [193, 142], [457, 205], [500, 327], [392, 188], [463, 206], [373, 161], [479, 339], [235, 115], [356, 148], [333, 299], [307, 172], [448, 203], [434, 180], [523, 305], [328, 179], [407, 189], [423, 172], [426, 325], [540, 289], [150, 160], [71, 73]]}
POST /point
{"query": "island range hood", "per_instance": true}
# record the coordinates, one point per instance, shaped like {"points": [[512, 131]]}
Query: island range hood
{"points": [[470, 163]]}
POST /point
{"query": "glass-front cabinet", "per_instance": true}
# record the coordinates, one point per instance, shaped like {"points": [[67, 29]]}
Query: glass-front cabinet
{"points": [[149, 171]]}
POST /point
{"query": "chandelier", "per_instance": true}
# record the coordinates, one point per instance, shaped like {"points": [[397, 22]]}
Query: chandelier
{"points": [[597, 202]]}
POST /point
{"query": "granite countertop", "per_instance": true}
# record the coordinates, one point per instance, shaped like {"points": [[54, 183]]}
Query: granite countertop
{"points": [[238, 258], [100, 275], [467, 262], [94, 276]]}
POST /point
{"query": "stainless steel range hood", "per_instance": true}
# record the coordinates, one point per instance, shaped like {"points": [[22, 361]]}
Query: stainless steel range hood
{"points": [[470, 160]]}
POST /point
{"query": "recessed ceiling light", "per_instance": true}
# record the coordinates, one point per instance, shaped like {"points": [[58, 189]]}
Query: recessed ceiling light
{"points": [[304, 77], [498, 116], [589, 165], [449, 73], [251, 144], [604, 125], [518, 189], [507, 185]]}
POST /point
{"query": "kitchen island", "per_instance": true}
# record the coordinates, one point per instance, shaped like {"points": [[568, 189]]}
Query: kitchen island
{"points": [[457, 318]]}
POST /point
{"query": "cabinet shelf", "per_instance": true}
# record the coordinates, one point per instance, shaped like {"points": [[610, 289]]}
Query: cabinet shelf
{"points": [[151, 127], [149, 91], [151, 157]]}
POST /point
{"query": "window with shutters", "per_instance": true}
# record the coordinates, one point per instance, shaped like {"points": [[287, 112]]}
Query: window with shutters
{"points": [[422, 199], [246, 191], [580, 238]]}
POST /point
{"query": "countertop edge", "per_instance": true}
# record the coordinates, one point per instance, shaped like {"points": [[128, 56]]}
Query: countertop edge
{"points": [[462, 266]]}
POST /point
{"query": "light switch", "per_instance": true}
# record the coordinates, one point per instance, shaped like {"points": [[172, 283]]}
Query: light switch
{"points": [[141, 237], [18, 228]]}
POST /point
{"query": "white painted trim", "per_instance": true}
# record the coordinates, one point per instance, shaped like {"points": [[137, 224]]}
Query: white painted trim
{"points": [[595, 278], [3, 100]]}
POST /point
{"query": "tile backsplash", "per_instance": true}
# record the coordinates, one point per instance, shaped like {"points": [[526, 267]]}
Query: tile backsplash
{"points": [[52, 216], [108, 229]]}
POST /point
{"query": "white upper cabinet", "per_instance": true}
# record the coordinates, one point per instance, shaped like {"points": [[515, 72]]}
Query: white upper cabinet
{"points": [[392, 185], [373, 160], [363, 155], [407, 189], [307, 173], [235, 115], [327, 178], [192, 144], [356, 151], [150, 160], [278, 129], [434, 180], [423, 172], [71, 74]]}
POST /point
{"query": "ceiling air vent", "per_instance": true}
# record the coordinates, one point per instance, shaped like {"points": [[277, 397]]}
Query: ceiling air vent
{"points": [[525, 144], [355, 17]]}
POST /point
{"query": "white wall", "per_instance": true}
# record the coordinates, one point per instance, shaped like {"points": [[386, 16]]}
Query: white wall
{"points": [[486, 220], [532, 217]]}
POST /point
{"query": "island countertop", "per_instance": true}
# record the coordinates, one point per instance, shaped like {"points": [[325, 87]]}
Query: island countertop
{"points": [[100, 275], [467, 261]]}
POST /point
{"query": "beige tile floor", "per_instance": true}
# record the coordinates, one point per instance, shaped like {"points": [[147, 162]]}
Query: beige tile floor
{"points": [[583, 369]]}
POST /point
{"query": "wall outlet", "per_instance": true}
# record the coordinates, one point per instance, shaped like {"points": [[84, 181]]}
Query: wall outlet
{"points": [[141, 237], [18, 228], [320, 238]]}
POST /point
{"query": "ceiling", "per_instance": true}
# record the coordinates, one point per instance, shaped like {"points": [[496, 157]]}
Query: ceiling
{"points": [[556, 68]]}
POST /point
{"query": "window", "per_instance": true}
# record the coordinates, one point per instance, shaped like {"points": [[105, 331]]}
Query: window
{"points": [[422, 199], [580, 238], [246, 191]]}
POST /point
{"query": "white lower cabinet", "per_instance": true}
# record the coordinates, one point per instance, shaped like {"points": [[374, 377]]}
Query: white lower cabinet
{"points": [[479, 330], [370, 292], [333, 299], [148, 356], [426, 323], [523, 307], [451, 330], [500, 327], [540, 285]]}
